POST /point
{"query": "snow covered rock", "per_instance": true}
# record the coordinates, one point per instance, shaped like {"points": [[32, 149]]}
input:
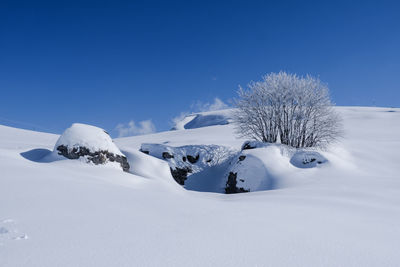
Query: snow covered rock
{"points": [[254, 144], [307, 159], [90, 143], [246, 173], [250, 145], [187, 160], [212, 168]]}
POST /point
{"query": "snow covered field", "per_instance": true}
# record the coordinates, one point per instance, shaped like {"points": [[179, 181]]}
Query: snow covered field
{"points": [[345, 212]]}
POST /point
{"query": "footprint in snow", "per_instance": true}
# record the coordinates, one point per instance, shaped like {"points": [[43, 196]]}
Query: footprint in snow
{"points": [[9, 232], [21, 237]]}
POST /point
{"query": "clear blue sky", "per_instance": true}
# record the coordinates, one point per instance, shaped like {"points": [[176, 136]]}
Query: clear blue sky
{"points": [[105, 63]]}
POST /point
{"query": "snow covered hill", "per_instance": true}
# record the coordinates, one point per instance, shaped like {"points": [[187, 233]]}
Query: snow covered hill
{"points": [[204, 119], [344, 211]]}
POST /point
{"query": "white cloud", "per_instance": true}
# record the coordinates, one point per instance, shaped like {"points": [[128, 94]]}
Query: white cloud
{"points": [[216, 105], [130, 128], [179, 118]]}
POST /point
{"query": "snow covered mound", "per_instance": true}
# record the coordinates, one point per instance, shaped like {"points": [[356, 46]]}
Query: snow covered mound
{"points": [[262, 166], [307, 159], [205, 119], [248, 171], [91, 143], [211, 168], [188, 160]]}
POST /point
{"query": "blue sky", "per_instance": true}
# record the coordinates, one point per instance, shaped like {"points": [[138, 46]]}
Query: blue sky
{"points": [[110, 63]]}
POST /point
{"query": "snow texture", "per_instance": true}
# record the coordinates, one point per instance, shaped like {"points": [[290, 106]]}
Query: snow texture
{"points": [[344, 212]]}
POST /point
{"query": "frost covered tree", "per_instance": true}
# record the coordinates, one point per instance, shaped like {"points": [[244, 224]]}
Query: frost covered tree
{"points": [[297, 110]]}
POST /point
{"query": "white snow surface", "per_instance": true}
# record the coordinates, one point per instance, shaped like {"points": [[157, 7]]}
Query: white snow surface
{"points": [[345, 212]]}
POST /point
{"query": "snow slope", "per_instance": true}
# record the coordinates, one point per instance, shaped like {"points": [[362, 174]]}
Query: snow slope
{"points": [[345, 212], [204, 119]]}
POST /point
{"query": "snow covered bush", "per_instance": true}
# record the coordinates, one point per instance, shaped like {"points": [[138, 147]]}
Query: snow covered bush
{"points": [[297, 110], [90, 143]]}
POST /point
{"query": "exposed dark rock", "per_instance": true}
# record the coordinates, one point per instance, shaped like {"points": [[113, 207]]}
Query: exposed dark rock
{"points": [[97, 157], [144, 151], [231, 185], [192, 159], [209, 160], [242, 157], [180, 174], [184, 159], [167, 155], [306, 160], [247, 145]]}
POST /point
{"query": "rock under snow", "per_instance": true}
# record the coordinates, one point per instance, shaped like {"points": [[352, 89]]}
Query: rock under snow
{"points": [[307, 159], [90, 143], [255, 168], [187, 160], [247, 173], [250, 145]]}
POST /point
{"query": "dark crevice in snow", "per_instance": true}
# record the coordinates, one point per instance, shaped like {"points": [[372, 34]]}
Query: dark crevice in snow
{"points": [[231, 185], [97, 157]]}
